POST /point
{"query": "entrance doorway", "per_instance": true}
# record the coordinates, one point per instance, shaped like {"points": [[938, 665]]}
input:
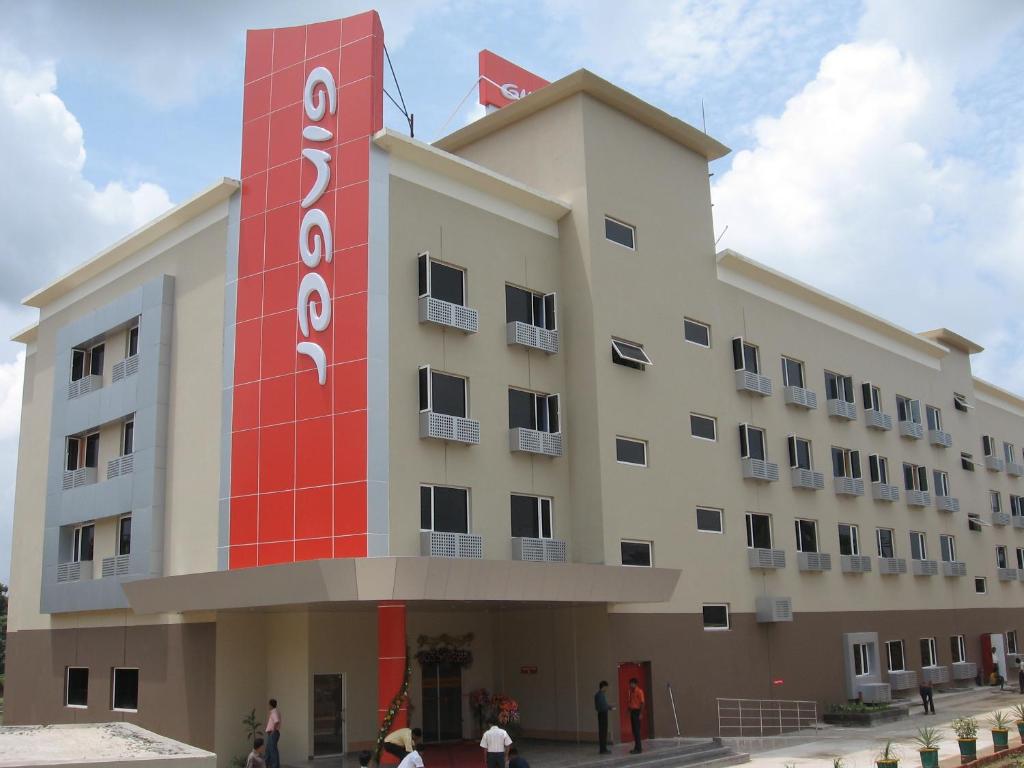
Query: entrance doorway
{"points": [[641, 670], [328, 715], [442, 702]]}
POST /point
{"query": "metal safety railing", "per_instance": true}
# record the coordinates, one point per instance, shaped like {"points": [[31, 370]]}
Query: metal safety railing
{"points": [[751, 718]]}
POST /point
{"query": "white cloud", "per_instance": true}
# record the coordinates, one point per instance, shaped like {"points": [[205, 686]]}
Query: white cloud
{"points": [[12, 377]]}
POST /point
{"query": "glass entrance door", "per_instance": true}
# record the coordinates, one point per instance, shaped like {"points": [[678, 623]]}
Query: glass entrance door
{"points": [[328, 715], [442, 702]]}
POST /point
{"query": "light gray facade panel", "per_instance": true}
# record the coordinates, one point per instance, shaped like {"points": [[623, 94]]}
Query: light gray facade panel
{"points": [[228, 378]]}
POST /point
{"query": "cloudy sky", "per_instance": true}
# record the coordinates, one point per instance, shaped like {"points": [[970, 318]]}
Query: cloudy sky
{"points": [[877, 145]]}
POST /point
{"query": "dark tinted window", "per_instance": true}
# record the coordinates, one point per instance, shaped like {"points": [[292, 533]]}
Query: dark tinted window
{"points": [[793, 372], [451, 509], [77, 364], [522, 410], [806, 536], [697, 333], [630, 355], [449, 394], [702, 426], [800, 453], [636, 553], [124, 536], [753, 442], [126, 689], [518, 305], [92, 449], [133, 341], [759, 531], [709, 520], [848, 544], [979, 585], [128, 444], [716, 617], [885, 547], [88, 534], [896, 660], [620, 233], [77, 692], [96, 360], [630, 451], [525, 520], [425, 514], [73, 447], [446, 283]]}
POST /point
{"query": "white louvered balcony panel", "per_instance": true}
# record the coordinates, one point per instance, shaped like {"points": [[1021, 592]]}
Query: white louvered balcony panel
{"points": [[79, 477], [935, 675], [855, 563], [878, 420], [770, 609], [80, 571], [454, 429], [455, 545], [753, 382], [840, 409], [807, 478], [756, 469], [940, 438], [1014, 468], [122, 465], [903, 680], [912, 430], [1017, 520], [539, 550], [800, 397], [918, 498], [84, 385], [891, 566], [452, 315], [924, 567], [767, 559], [875, 693], [947, 503], [1006, 574], [527, 335], [848, 486], [994, 463], [964, 670], [814, 561], [954, 568], [125, 368], [885, 492], [115, 566], [525, 440], [1000, 518]]}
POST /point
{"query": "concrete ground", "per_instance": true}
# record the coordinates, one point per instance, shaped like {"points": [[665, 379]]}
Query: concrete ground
{"points": [[858, 747]]}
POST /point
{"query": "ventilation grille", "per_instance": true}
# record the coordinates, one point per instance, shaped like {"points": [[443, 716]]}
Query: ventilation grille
{"points": [[1000, 518], [526, 335], [125, 368], [918, 498], [756, 469], [806, 478], [902, 680], [814, 561], [885, 492], [1006, 574], [453, 545], [774, 609], [940, 438], [766, 558], [78, 478], [878, 420], [541, 550], [841, 409], [800, 397], [856, 563], [875, 693], [935, 675], [849, 486], [1015, 469], [535, 441], [925, 567], [455, 429], [122, 465], [445, 313], [947, 503], [84, 385], [964, 670], [995, 463], [115, 566], [911, 429], [753, 382], [892, 565], [954, 568]]}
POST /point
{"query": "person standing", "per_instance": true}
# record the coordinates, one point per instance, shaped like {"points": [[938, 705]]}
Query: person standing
{"points": [[496, 742], [635, 700], [603, 708], [273, 734], [926, 696], [402, 741], [1020, 675], [255, 758]]}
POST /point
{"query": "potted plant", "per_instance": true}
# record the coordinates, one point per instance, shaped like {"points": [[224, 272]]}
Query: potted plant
{"points": [[887, 756], [966, 730], [927, 741], [999, 723], [1018, 714]]}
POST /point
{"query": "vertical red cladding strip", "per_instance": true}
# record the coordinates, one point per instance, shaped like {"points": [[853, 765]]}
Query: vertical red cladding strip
{"points": [[391, 666], [313, 99]]}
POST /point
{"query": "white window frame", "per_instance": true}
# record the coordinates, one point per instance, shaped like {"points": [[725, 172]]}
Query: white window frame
{"points": [[744, 346], [650, 549], [647, 458], [958, 648], [844, 387], [1016, 505], [1010, 452], [872, 395], [714, 425], [716, 510], [785, 372], [67, 688], [76, 542], [888, 655], [120, 525], [728, 622], [1002, 556], [862, 653], [933, 416], [965, 459], [851, 462], [1011, 635], [983, 582], [430, 388], [469, 505], [1020, 558], [425, 256], [933, 651], [620, 222], [128, 341], [878, 541], [541, 502], [941, 479], [540, 322], [995, 501], [951, 540], [918, 473], [794, 454], [124, 435], [746, 429], [922, 539], [797, 524], [113, 688], [913, 409], [643, 359], [705, 326], [537, 398], [960, 402], [878, 466], [988, 445], [747, 518], [974, 523], [854, 538]]}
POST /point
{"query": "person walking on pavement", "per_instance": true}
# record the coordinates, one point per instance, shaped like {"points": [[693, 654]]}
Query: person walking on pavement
{"points": [[926, 696], [635, 700], [496, 742], [603, 708], [273, 735]]}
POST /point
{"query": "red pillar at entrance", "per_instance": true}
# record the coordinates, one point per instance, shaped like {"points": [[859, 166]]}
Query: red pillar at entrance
{"points": [[391, 647]]}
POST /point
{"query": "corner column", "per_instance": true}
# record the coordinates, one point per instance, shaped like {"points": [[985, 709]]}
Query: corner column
{"points": [[391, 646]]}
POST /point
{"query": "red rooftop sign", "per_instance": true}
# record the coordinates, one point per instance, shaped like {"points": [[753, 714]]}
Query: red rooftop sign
{"points": [[502, 82]]}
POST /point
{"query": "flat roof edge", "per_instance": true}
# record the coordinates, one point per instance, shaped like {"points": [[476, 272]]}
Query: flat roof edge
{"points": [[997, 392], [27, 334]]}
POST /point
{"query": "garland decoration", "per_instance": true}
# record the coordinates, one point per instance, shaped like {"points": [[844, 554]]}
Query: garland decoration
{"points": [[393, 709], [445, 649]]}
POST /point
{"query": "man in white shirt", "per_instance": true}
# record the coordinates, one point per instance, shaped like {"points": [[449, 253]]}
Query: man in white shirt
{"points": [[496, 741], [412, 760]]}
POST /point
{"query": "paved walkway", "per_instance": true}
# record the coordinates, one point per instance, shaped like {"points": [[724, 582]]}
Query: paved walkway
{"points": [[858, 747]]}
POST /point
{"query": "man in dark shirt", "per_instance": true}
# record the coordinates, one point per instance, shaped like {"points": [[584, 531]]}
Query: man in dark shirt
{"points": [[514, 760], [602, 707]]}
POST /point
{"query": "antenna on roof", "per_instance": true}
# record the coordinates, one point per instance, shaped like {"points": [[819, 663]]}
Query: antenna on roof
{"points": [[409, 117], [703, 119], [721, 235]]}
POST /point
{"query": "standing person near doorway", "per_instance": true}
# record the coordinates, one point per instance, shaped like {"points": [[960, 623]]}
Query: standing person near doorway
{"points": [[635, 701], [603, 708], [273, 735], [496, 742], [402, 741], [927, 699]]}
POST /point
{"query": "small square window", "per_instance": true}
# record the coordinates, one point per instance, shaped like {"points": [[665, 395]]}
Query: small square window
{"points": [[703, 427], [980, 585], [709, 520], [125, 694], [76, 687], [620, 232], [697, 333], [628, 451], [715, 616], [637, 553]]}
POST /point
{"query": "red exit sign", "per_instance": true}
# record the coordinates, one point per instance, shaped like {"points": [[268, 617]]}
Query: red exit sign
{"points": [[528, 669]]}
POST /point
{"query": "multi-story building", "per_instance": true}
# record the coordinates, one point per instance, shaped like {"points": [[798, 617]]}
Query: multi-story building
{"points": [[496, 399]]}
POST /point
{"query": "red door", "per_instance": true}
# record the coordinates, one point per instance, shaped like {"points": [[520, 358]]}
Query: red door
{"points": [[641, 670]]}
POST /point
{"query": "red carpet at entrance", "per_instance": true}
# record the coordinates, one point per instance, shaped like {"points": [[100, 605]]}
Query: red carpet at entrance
{"points": [[453, 754]]}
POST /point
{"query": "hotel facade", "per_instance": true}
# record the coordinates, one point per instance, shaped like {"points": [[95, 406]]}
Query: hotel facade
{"points": [[494, 404]]}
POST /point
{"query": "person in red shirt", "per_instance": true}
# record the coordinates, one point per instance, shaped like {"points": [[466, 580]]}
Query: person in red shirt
{"points": [[635, 701]]}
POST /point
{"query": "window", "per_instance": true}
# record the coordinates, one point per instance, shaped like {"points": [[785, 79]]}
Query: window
{"points": [[697, 333], [908, 410], [128, 437], [87, 361], [849, 539], [918, 546], [441, 281], [1010, 453], [759, 531], [800, 453], [947, 548], [532, 308], [960, 402], [637, 553], [879, 468], [894, 655], [980, 585], [620, 232], [988, 445], [752, 443], [1020, 558], [1001, 559], [915, 478], [124, 535], [1011, 641], [886, 546], [958, 648], [709, 520], [845, 463], [967, 461], [530, 410], [131, 347], [941, 482], [974, 522], [1016, 505], [444, 508], [531, 517], [82, 543], [806, 535], [74, 454], [861, 659], [96, 360], [838, 387], [76, 687], [745, 357], [629, 354], [934, 417], [995, 501], [629, 451], [929, 655], [92, 449], [125, 697], [716, 616], [442, 393], [792, 372], [703, 427], [77, 364], [872, 397]]}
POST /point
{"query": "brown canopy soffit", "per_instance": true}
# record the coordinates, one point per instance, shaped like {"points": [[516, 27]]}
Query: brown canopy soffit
{"points": [[401, 578]]}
